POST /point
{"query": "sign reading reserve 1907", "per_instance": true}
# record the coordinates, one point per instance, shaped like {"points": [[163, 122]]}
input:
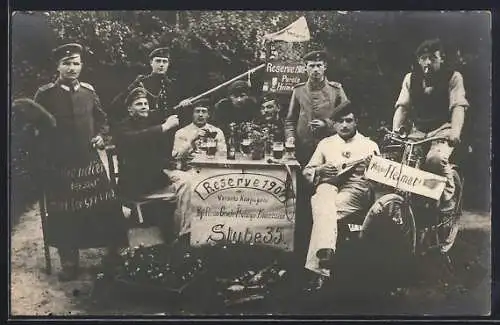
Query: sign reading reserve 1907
{"points": [[281, 77], [252, 207]]}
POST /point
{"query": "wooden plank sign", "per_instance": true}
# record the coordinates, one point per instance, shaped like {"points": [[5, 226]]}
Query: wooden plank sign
{"points": [[405, 177], [243, 206], [281, 76]]}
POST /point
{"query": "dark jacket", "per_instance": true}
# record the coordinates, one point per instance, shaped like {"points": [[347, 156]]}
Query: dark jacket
{"points": [[226, 113], [79, 118], [143, 153], [163, 101]]}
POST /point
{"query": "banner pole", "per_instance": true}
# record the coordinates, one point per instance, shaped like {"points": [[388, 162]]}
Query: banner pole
{"points": [[224, 84]]}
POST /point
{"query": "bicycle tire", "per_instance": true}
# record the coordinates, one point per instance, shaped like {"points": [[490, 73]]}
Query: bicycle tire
{"points": [[389, 216]]}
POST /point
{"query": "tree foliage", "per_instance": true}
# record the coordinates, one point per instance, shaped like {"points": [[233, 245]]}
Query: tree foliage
{"points": [[369, 52]]}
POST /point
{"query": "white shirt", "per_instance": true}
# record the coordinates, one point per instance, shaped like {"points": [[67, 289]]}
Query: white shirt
{"points": [[184, 138], [338, 151]]}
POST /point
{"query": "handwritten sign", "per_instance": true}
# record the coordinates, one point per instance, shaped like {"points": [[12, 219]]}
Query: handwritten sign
{"points": [[405, 178], [81, 188], [282, 76], [252, 207]]}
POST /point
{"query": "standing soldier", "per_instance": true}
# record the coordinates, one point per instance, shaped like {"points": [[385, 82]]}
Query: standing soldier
{"points": [[312, 107], [82, 208], [309, 119], [161, 93]]}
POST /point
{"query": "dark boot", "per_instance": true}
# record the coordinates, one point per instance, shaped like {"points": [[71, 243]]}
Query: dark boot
{"points": [[316, 283], [325, 256]]}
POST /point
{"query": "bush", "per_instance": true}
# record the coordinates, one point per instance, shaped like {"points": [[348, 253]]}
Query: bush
{"points": [[369, 52]]}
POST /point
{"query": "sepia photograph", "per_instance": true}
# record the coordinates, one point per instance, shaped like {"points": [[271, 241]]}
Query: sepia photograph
{"points": [[167, 163]]}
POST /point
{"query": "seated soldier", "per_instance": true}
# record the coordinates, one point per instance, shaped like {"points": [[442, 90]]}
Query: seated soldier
{"points": [[270, 117], [238, 107], [189, 138], [336, 195], [143, 163]]}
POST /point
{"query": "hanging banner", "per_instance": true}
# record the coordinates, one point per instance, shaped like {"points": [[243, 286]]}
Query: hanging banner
{"points": [[295, 32], [250, 207], [281, 76]]}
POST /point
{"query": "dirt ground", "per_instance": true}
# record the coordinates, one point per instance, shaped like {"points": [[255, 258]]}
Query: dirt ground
{"points": [[465, 290]]}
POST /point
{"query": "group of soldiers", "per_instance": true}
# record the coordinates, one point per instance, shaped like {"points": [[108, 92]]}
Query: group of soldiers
{"points": [[150, 130]]}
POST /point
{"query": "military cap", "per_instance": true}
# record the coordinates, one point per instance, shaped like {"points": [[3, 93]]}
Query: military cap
{"points": [[202, 102], [345, 109], [267, 98], [67, 51], [237, 87], [429, 46], [134, 94], [161, 52], [315, 56]]}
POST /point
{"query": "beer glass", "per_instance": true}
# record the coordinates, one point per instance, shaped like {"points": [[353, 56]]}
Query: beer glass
{"points": [[211, 147], [290, 150], [245, 146], [278, 149]]}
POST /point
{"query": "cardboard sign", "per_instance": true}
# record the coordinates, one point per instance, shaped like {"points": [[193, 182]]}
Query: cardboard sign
{"points": [[281, 76], [252, 206], [405, 178]]}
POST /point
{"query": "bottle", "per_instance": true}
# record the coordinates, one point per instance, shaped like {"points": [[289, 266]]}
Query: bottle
{"points": [[231, 145]]}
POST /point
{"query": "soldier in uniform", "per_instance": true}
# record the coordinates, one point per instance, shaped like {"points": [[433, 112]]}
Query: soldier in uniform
{"points": [[82, 208], [144, 162], [309, 119], [270, 118], [237, 108], [161, 94], [312, 107]]}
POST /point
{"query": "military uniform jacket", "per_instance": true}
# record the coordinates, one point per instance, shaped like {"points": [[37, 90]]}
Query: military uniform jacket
{"points": [[309, 102], [142, 155], [82, 207], [226, 113], [162, 96], [79, 117]]}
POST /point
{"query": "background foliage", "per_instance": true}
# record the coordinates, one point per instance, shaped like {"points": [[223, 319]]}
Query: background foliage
{"points": [[369, 53]]}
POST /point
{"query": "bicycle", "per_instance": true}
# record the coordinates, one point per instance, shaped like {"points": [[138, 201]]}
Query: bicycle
{"points": [[408, 223]]}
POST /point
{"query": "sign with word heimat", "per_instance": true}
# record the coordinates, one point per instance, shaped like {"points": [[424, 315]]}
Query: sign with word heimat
{"points": [[405, 177], [281, 77], [251, 206]]}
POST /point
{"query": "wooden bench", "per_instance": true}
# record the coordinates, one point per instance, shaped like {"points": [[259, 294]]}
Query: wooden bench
{"points": [[135, 203]]}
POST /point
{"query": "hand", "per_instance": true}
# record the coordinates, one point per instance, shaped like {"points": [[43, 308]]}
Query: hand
{"points": [[317, 124], [185, 102], [201, 133], [171, 122], [327, 170], [453, 138], [97, 142]]}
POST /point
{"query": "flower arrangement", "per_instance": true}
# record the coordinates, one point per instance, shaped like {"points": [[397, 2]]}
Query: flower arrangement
{"points": [[258, 136]]}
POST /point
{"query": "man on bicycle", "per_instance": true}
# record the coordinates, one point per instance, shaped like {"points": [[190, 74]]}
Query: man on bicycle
{"points": [[433, 97]]}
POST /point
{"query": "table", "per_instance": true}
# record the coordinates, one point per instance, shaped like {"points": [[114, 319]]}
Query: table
{"points": [[243, 201]]}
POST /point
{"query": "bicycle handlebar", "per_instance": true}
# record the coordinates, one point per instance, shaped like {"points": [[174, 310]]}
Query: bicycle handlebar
{"points": [[398, 138]]}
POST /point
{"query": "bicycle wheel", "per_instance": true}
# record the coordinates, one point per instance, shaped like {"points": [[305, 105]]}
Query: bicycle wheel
{"points": [[390, 226], [449, 227]]}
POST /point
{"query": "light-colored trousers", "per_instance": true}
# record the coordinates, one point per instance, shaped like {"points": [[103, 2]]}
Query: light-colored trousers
{"points": [[437, 159], [329, 204], [181, 185]]}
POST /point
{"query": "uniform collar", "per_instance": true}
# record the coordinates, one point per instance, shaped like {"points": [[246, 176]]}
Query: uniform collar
{"points": [[73, 85], [317, 86]]}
